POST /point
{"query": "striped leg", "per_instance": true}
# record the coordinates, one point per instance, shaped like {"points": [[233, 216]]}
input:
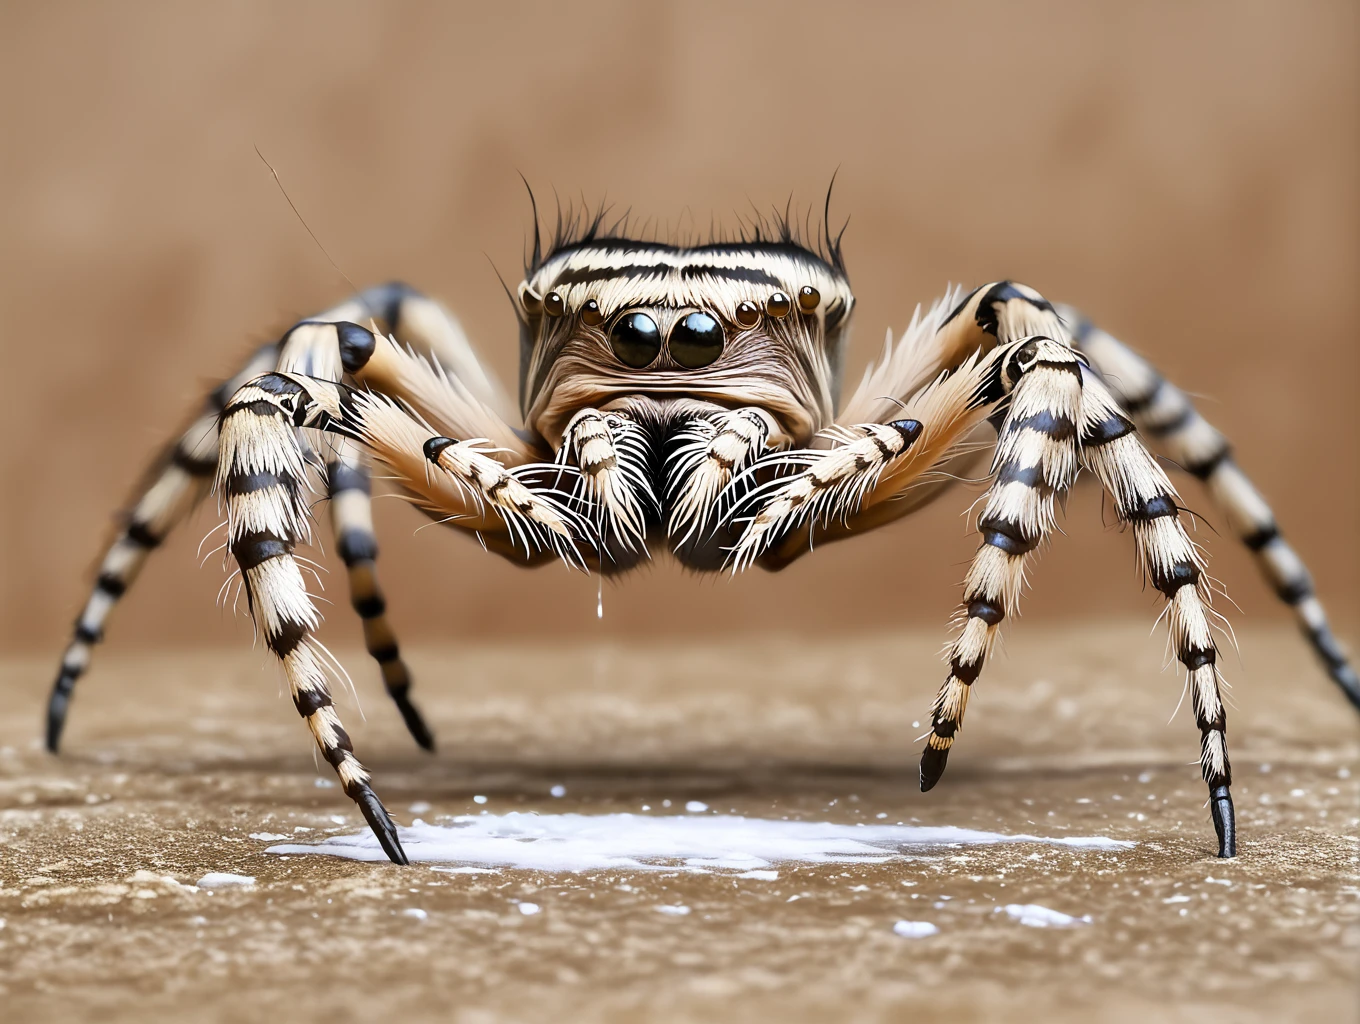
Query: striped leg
{"points": [[172, 488], [348, 485], [1035, 463], [261, 476], [1165, 413], [1146, 501]]}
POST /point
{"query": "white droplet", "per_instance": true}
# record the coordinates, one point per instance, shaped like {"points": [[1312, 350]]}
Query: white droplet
{"points": [[558, 791], [415, 912], [1035, 916], [529, 909], [679, 910], [915, 929], [325, 784], [419, 807], [224, 880], [479, 799], [696, 806]]}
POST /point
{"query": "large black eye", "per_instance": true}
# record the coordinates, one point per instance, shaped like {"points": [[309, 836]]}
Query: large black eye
{"points": [[636, 339], [696, 341]]}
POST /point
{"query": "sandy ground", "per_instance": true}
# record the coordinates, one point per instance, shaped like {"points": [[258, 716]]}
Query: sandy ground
{"points": [[173, 761]]}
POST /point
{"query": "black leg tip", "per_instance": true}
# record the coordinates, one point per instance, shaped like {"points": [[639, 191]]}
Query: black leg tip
{"points": [[381, 823], [415, 722], [1225, 822], [1344, 676], [57, 706], [932, 767]]}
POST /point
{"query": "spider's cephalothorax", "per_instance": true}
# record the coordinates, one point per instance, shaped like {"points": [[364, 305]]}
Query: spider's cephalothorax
{"points": [[661, 374], [687, 399]]}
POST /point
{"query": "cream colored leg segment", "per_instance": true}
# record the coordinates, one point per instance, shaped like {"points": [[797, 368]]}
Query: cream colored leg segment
{"points": [[349, 486], [1166, 414], [1146, 501], [261, 478], [173, 487], [1035, 463]]}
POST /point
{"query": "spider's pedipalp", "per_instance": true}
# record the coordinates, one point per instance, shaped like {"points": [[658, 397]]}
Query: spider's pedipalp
{"points": [[708, 454], [536, 516], [613, 455]]}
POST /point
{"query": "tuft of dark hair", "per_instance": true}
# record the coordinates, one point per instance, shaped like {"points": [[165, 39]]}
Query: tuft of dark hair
{"points": [[580, 224]]}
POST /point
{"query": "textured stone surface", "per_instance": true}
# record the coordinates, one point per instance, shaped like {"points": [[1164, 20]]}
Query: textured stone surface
{"points": [[174, 762]]}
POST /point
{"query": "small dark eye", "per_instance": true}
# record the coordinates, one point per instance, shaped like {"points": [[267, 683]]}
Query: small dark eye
{"points": [[696, 341], [553, 304], [747, 314], [808, 297], [590, 314], [778, 305], [636, 340]]}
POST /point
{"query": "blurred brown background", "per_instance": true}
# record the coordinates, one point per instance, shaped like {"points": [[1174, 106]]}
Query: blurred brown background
{"points": [[1187, 173]]}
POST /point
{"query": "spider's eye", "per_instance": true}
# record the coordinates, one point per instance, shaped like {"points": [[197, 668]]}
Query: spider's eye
{"points": [[778, 305], [747, 314], [696, 341], [636, 340]]}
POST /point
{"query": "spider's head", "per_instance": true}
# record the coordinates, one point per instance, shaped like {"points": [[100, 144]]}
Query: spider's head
{"points": [[751, 323]]}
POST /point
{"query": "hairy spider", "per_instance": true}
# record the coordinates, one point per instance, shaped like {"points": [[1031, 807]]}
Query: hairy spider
{"points": [[686, 398]]}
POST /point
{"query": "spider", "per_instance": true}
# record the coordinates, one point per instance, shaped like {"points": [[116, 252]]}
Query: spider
{"points": [[685, 398]]}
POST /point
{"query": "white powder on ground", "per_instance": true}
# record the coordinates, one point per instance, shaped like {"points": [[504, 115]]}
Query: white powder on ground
{"points": [[915, 929], [224, 880], [693, 843], [1035, 916]]}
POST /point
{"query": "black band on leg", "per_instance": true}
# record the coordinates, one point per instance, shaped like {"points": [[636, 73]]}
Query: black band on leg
{"points": [[1225, 823]]}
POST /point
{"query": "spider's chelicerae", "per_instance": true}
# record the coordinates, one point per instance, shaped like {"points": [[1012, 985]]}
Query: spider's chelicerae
{"points": [[687, 398]]}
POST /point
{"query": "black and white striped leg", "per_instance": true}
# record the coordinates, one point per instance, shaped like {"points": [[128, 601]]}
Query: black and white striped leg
{"points": [[1166, 414], [261, 478], [1035, 464], [173, 486], [348, 484], [1145, 500]]}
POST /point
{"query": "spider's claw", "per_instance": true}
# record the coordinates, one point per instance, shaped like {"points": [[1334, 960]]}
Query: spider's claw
{"points": [[1225, 824], [933, 761], [57, 706], [380, 822], [410, 714]]}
